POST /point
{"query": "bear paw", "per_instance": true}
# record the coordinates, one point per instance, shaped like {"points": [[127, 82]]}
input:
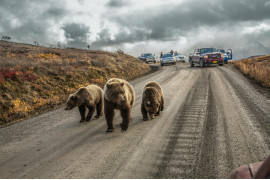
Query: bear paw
{"points": [[97, 116], [110, 130], [123, 127], [145, 119], [82, 120]]}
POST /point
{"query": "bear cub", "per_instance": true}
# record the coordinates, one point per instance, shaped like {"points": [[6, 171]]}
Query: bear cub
{"points": [[152, 100], [118, 94], [90, 97]]}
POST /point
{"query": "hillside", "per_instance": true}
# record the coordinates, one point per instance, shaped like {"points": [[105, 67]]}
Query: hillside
{"points": [[34, 79], [257, 68]]}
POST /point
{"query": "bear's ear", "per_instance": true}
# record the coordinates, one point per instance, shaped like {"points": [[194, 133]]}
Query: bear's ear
{"points": [[73, 97], [109, 86], [122, 84]]}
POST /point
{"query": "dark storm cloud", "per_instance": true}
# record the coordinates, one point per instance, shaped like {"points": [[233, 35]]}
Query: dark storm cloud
{"points": [[29, 20], [76, 34], [117, 3], [55, 12], [123, 36], [76, 31], [191, 22], [173, 21], [226, 19]]}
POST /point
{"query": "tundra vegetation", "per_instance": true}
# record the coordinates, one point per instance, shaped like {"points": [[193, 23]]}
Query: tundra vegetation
{"points": [[257, 68], [34, 79]]}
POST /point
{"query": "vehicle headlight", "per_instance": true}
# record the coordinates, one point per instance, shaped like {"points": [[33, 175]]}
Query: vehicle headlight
{"points": [[222, 55], [205, 56]]}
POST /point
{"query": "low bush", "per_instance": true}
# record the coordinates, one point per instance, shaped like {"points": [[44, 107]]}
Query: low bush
{"points": [[34, 78], [257, 68]]}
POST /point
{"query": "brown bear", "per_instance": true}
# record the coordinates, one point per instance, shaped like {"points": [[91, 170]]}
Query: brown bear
{"points": [[152, 100], [118, 94], [90, 97]]}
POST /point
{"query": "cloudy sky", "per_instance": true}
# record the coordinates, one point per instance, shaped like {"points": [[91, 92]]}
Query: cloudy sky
{"points": [[138, 26]]}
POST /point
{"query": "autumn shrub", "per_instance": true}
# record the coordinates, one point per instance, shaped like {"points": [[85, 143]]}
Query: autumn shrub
{"points": [[34, 78], [257, 68]]}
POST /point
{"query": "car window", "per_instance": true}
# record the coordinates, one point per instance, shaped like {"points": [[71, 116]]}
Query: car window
{"points": [[149, 54], [221, 50], [208, 50], [167, 55]]}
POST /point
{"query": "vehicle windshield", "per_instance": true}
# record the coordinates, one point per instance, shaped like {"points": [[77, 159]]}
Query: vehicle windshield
{"points": [[167, 55], [208, 50], [148, 54], [221, 50]]}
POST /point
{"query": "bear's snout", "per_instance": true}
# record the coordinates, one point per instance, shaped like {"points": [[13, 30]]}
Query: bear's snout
{"points": [[151, 116], [123, 101]]}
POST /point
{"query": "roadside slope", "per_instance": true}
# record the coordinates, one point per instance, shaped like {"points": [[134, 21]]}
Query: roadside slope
{"points": [[34, 78], [257, 68]]}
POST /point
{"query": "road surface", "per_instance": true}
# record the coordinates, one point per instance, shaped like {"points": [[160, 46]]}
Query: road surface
{"points": [[214, 120]]}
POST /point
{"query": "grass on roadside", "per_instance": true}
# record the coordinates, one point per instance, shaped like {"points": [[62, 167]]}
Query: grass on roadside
{"points": [[34, 79], [257, 68]]}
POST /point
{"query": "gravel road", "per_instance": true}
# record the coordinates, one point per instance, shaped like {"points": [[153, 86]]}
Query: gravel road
{"points": [[214, 120]]}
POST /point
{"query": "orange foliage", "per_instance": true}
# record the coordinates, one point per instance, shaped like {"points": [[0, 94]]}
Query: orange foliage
{"points": [[37, 78], [257, 68]]}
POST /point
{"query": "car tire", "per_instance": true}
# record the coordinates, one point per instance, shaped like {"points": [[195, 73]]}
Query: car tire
{"points": [[201, 63], [220, 64], [155, 61], [191, 64], [161, 64]]}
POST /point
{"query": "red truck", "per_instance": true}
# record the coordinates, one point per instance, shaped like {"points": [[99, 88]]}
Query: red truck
{"points": [[206, 56]]}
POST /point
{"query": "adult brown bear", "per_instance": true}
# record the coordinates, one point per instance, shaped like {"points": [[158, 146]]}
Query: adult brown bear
{"points": [[90, 97], [118, 94], [152, 100]]}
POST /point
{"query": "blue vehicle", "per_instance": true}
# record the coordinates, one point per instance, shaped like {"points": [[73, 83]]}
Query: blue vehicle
{"points": [[168, 59], [226, 55], [147, 57]]}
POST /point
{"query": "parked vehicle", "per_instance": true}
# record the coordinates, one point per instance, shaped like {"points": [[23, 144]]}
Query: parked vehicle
{"points": [[179, 57], [226, 55], [168, 59], [206, 56], [147, 57]]}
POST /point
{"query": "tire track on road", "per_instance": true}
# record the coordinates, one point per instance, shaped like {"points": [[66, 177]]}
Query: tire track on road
{"points": [[178, 159], [208, 152], [256, 112], [215, 137]]}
